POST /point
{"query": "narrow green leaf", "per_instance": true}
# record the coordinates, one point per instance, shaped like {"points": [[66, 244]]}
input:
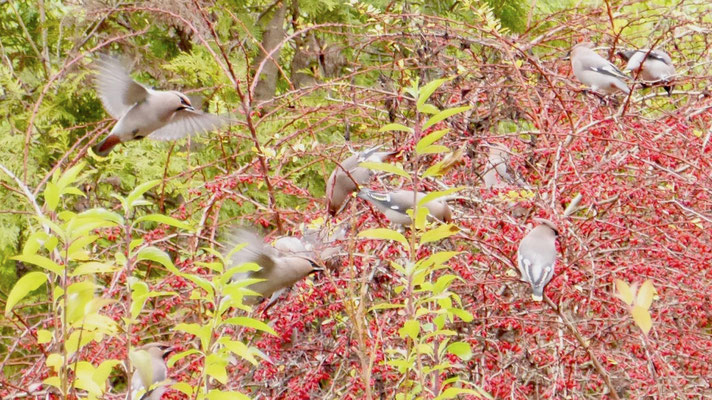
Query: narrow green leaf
{"points": [[164, 219], [51, 195], [93, 268], [384, 233], [379, 166], [411, 329], [443, 115], [441, 232], [395, 127], [426, 91], [179, 356], [429, 139], [438, 194], [428, 109], [136, 194], [40, 261], [155, 254], [29, 282], [216, 394], [103, 214], [250, 323]]}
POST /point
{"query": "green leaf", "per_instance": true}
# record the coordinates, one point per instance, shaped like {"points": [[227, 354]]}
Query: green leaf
{"points": [[379, 166], [164, 219], [29, 282], [134, 198], [201, 332], [240, 349], [384, 233], [250, 323], [42, 262], [157, 255], [439, 233], [428, 109], [426, 91], [215, 367], [438, 194], [103, 214], [461, 349], [51, 195], [642, 318], [411, 329], [179, 356], [429, 139], [215, 394], [395, 127], [443, 115], [93, 268], [70, 176]]}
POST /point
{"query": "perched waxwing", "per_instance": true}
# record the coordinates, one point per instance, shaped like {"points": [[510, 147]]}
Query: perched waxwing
{"points": [[141, 111], [498, 172], [395, 204], [340, 185], [280, 266], [654, 65], [597, 72], [536, 256], [149, 362]]}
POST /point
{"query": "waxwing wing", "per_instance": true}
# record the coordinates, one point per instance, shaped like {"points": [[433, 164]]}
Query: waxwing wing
{"points": [[149, 362], [340, 185], [395, 204], [141, 111], [651, 66], [537, 255], [498, 171], [280, 267], [597, 72]]}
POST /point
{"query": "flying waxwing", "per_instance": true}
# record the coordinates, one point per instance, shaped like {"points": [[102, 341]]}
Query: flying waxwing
{"points": [[497, 169], [340, 185], [537, 255], [149, 362], [395, 204], [657, 66], [597, 72], [280, 266], [141, 111]]}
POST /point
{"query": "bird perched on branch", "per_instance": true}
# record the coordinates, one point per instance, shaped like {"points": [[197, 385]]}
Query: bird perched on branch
{"points": [[395, 204], [651, 66], [281, 265], [149, 362], [536, 256], [597, 72], [497, 168], [141, 111], [340, 185]]}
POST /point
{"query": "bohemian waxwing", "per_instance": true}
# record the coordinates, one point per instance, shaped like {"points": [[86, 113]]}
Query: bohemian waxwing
{"points": [[340, 185], [657, 66], [279, 267], [597, 72], [395, 204], [537, 255], [149, 362], [141, 111], [498, 172]]}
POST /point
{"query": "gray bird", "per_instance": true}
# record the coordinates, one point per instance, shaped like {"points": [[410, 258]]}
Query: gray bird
{"points": [[150, 368], [280, 267], [497, 169], [141, 111], [340, 185], [395, 204], [597, 72], [536, 256], [654, 65]]}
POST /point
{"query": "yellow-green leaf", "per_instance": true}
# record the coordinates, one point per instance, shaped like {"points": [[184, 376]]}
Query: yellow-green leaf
{"points": [[250, 323], [624, 292], [411, 329], [44, 336], [429, 139], [641, 316], [29, 282], [428, 89], [40, 261], [439, 233], [395, 127], [384, 233], [164, 219], [645, 295], [443, 115]]}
